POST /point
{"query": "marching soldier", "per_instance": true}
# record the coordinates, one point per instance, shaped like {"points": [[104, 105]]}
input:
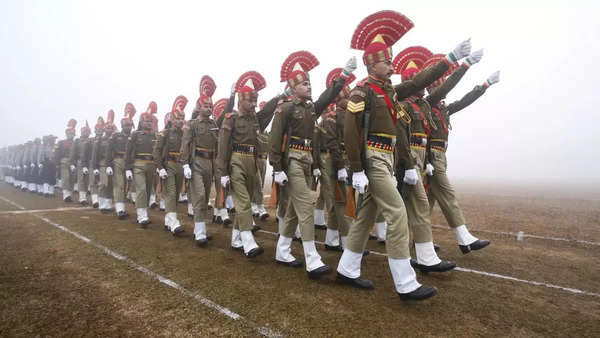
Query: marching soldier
{"points": [[440, 188], [220, 212], [291, 156], [198, 151], [167, 153], [374, 117], [333, 166], [35, 169], [100, 163], [61, 158], [115, 160], [79, 162], [237, 156], [408, 63], [258, 204], [139, 163]]}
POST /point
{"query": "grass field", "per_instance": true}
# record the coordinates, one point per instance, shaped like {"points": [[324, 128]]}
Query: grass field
{"points": [[77, 272]]}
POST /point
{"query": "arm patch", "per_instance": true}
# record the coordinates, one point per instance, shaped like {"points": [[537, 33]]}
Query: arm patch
{"points": [[355, 107]]}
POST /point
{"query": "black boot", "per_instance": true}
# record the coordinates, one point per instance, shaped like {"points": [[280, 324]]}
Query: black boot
{"points": [[423, 292]]}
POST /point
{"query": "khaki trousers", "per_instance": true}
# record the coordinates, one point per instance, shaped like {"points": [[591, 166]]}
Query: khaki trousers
{"points": [[119, 182], [143, 175], [67, 178], [300, 206], [202, 175], [381, 196], [441, 190], [417, 205], [105, 185], [261, 169], [336, 210], [82, 180], [243, 184], [172, 185]]}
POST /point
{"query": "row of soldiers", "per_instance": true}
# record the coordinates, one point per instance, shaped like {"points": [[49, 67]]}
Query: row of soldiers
{"points": [[378, 152]]}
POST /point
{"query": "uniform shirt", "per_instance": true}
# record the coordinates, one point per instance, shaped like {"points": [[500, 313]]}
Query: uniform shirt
{"points": [[298, 118], [200, 133], [242, 129], [81, 152], [329, 140], [167, 146], [141, 142], [380, 121], [99, 152], [116, 146], [442, 112]]}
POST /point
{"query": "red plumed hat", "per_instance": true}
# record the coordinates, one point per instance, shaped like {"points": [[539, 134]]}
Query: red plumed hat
{"points": [[71, 126], [334, 74], [218, 108], [296, 67], [249, 84], [99, 124], [410, 61], [207, 89], [377, 33], [129, 114], [110, 120], [435, 59], [179, 99]]}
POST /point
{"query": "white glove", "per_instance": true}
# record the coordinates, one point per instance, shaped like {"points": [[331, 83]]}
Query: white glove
{"points": [[85, 171], [494, 78], [424, 142], [360, 181], [224, 181], [463, 49], [350, 67], [429, 169], [18, 167], [280, 177], [474, 57], [128, 175], [342, 175], [96, 172], [40, 166], [411, 177], [187, 172], [32, 165], [109, 171], [316, 173], [72, 168], [163, 173]]}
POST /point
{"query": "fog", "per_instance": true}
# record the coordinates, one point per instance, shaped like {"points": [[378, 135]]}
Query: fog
{"points": [[63, 59]]}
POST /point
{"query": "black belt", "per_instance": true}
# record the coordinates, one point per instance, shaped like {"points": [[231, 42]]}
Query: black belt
{"points": [[144, 157], [205, 154], [303, 144], [439, 145], [244, 149]]}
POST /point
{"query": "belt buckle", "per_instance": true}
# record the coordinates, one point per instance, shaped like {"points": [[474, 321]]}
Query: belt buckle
{"points": [[251, 149]]}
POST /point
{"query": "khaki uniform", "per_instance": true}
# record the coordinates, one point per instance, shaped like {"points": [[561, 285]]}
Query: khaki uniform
{"points": [[99, 162], [333, 191], [61, 158], [198, 149], [116, 160], [138, 158], [237, 155], [261, 165], [80, 157], [297, 119], [95, 180], [166, 155], [379, 164], [440, 188]]}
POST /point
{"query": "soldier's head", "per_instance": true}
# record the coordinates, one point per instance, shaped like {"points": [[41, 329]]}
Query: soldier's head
{"points": [[342, 98], [247, 97], [146, 122], [109, 129], [177, 115], [377, 57], [381, 70], [204, 104], [303, 90], [70, 131], [85, 130], [126, 125], [37, 140]]}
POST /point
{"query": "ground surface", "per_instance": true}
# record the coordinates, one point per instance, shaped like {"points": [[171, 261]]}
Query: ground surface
{"points": [[53, 283]]}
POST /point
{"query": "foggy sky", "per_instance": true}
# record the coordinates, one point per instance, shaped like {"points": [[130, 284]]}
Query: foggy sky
{"points": [[63, 59]]}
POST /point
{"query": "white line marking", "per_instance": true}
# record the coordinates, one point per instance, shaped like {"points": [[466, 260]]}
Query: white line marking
{"points": [[11, 202], [514, 234], [204, 301], [42, 210], [490, 274]]}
